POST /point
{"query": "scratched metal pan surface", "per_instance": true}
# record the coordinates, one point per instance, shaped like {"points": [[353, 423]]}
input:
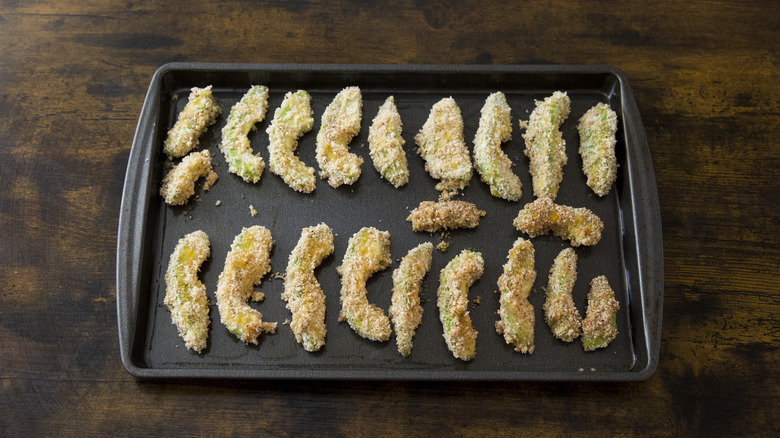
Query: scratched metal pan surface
{"points": [[630, 252]]}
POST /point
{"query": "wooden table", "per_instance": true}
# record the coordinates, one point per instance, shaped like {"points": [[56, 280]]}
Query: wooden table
{"points": [[72, 80]]}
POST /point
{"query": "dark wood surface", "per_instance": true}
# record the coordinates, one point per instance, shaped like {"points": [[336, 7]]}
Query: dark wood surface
{"points": [[72, 80]]}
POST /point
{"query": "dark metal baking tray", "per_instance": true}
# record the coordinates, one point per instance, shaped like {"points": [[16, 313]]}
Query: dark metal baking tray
{"points": [[630, 253]]}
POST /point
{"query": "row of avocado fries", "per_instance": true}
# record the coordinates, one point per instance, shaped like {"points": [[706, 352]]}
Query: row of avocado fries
{"points": [[368, 252], [440, 143], [446, 156]]}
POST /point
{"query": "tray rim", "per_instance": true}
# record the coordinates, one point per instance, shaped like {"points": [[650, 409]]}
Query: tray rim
{"points": [[647, 234]]}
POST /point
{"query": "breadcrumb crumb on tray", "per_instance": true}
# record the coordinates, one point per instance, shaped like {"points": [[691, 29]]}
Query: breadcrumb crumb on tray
{"points": [[628, 253]]}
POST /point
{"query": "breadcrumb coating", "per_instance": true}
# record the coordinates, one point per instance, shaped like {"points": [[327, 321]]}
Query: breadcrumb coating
{"points": [[454, 283], [494, 167], [514, 285], [440, 143], [544, 144], [368, 252], [386, 144], [291, 120], [178, 185], [246, 264], [340, 123], [599, 327], [235, 135], [406, 311], [200, 112], [597, 130], [185, 295], [578, 225], [560, 313], [444, 215], [302, 291]]}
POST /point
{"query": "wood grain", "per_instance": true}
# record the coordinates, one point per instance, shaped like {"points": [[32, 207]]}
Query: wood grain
{"points": [[72, 81]]}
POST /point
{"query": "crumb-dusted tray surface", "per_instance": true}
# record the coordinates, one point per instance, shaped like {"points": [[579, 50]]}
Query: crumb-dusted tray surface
{"points": [[629, 253]]}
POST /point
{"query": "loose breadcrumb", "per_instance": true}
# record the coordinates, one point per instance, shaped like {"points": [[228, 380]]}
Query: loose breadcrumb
{"points": [[252, 210], [443, 246], [211, 179], [434, 216], [578, 225]]}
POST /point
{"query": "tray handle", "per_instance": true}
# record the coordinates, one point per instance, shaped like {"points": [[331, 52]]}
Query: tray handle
{"points": [[648, 232], [131, 234]]}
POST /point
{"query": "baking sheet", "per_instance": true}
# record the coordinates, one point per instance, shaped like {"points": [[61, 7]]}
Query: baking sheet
{"points": [[629, 253]]}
